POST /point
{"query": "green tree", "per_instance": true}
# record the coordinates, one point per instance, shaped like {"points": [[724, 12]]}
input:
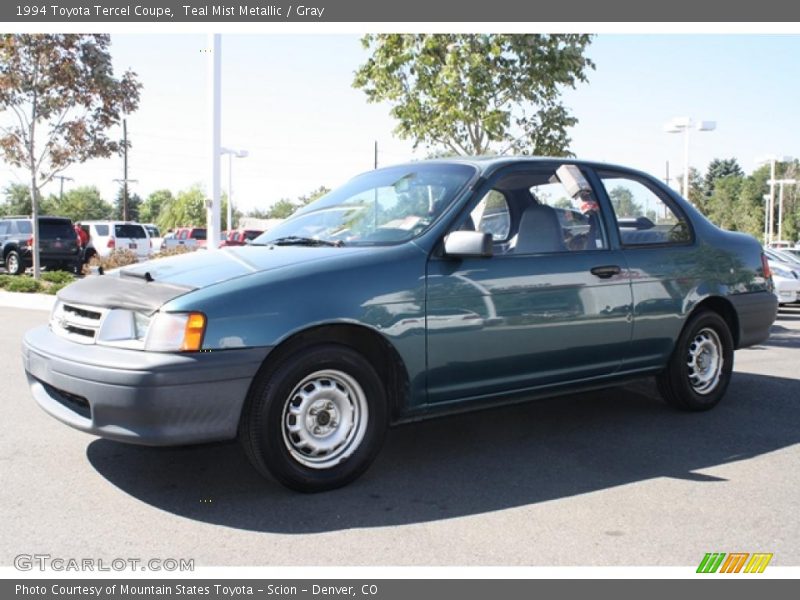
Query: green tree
{"points": [[311, 196], [64, 98], [83, 204], [188, 208], [282, 209], [696, 195], [723, 205], [16, 200], [717, 169], [750, 204], [134, 203], [623, 202], [258, 213], [150, 209], [475, 93]]}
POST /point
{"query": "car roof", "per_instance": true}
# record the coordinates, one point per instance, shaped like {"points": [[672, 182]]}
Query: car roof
{"points": [[488, 164]]}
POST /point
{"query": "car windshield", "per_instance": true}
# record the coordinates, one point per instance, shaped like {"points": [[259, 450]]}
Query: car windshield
{"points": [[386, 206]]}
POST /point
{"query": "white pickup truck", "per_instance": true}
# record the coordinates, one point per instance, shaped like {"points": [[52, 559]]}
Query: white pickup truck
{"points": [[189, 237]]}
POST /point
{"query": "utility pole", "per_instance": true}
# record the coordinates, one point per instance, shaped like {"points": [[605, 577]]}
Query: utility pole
{"points": [[124, 169], [61, 188], [376, 154], [125, 181]]}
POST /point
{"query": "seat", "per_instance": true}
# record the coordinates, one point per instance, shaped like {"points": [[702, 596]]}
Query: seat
{"points": [[539, 231]]}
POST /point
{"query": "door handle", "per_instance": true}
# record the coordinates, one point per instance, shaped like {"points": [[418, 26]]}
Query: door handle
{"points": [[606, 271]]}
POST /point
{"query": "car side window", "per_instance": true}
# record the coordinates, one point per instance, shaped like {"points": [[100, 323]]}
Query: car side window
{"points": [[491, 215], [3, 227], [644, 217], [24, 227], [102, 230]]}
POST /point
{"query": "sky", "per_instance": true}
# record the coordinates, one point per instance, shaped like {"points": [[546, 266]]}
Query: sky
{"points": [[288, 101]]}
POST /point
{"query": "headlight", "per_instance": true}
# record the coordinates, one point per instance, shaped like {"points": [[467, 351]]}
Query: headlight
{"points": [[163, 332], [176, 332]]}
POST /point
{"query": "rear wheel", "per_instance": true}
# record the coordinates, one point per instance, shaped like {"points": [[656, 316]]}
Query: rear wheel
{"points": [[13, 263], [316, 420], [699, 370]]}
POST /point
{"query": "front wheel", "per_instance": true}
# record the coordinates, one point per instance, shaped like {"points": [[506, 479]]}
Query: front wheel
{"points": [[699, 370], [316, 420]]}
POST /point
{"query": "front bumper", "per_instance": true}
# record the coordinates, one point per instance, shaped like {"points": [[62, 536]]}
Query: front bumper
{"points": [[151, 398]]}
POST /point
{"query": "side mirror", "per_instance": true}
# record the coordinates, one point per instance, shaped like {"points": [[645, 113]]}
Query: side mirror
{"points": [[468, 244]]}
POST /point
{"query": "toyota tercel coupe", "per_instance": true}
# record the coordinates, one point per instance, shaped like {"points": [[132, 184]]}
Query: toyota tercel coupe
{"points": [[412, 291]]}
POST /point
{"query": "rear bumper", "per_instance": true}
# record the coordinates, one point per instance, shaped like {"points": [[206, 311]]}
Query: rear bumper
{"points": [[48, 258], [149, 398], [756, 313]]}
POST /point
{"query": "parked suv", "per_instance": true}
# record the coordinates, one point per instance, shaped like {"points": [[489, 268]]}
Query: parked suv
{"points": [[105, 236], [58, 243]]}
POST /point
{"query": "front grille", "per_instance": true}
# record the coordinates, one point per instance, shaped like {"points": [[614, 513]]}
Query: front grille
{"points": [[77, 322]]}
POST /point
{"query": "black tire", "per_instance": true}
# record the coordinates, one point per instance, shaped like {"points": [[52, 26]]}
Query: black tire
{"points": [[268, 417], [13, 263], [695, 388]]}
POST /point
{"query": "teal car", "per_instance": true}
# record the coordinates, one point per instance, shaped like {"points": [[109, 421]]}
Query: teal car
{"points": [[412, 291]]}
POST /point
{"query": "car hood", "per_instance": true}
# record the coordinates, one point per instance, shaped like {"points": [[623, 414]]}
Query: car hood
{"points": [[147, 286]]}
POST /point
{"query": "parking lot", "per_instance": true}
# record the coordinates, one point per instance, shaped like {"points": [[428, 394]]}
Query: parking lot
{"points": [[605, 478]]}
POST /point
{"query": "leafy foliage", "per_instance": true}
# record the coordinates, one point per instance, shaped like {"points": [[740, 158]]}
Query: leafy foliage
{"points": [[477, 93], [150, 209], [82, 204], [718, 169], [623, 202], [17, 201], [64, 98], [134, 202], [61, 86]]}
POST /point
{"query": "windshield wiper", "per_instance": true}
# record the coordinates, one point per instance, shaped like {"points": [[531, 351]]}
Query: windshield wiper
{"points": [[294, 240]]}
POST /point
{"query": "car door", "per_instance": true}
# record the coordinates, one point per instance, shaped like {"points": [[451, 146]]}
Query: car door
{"points": [[551, 306], [665, 263]]}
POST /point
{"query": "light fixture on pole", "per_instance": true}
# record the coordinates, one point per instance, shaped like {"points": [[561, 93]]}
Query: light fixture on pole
{"points": [[238, 154], [771, 160], [684, 125]]}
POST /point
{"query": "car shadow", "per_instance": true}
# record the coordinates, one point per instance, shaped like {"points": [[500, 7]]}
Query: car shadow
{"points": [[474, 463]]}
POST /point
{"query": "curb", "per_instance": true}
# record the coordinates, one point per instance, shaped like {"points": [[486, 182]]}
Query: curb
{"points": [[29, 301]]}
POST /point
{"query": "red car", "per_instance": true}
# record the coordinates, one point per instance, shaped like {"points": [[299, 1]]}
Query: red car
{"points": [[239, 237]]}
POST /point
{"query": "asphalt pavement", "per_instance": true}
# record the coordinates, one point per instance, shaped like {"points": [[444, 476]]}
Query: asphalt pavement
{"points": [[605, 478]]}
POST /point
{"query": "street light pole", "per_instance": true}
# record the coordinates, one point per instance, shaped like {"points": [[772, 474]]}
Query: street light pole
{"points": [[685, 124], [231, 154], [769, 218], [215, 93], [781, 183]]}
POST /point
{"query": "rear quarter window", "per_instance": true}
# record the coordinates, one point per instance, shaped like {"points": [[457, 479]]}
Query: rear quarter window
{"points": [[24, 227], [101, 230]]}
